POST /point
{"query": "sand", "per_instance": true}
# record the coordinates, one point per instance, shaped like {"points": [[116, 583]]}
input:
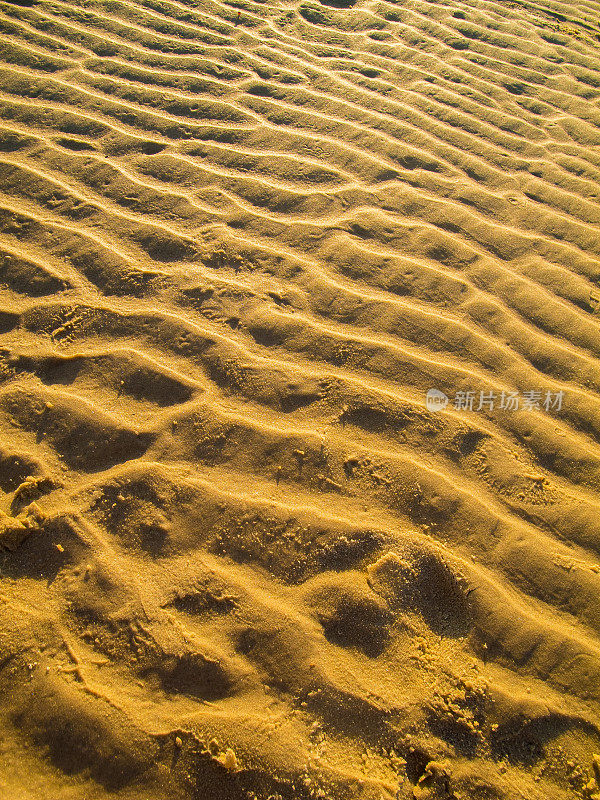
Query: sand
{"points": [[242, 557]]}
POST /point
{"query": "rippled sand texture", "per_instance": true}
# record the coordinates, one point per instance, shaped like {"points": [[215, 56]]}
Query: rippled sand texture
{"points": [[242, 560]]}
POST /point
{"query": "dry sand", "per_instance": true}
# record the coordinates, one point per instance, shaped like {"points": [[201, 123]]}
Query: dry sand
{"points": [[241, 559]]}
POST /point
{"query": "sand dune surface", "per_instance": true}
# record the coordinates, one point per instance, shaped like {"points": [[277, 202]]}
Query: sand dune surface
{"points": [[299, 400]]}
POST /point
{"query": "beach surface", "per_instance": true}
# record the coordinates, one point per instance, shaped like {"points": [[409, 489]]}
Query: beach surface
{"points": [[299, 400]]}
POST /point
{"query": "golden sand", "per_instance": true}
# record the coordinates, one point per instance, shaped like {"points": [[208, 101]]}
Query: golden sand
{"points": [[242, 557]]}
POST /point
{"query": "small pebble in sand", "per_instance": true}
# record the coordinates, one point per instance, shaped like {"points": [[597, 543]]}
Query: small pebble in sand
{"points": [[229, 759]]}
